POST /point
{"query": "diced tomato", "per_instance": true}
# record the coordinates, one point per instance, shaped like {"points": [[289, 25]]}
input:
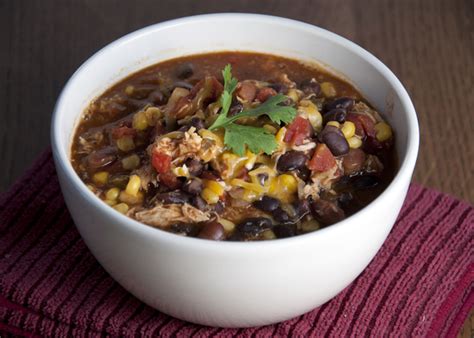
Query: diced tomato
{"points": [[322, 159], [123, 131], [170, 180], [161, 162], [265, 93], [297, 131], [365, 126]]}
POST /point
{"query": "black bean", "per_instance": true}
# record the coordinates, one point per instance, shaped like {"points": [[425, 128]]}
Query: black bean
{"points": [[337, 114], [284, 230], [195, 167], [345, 199], [310, 87], [291, 160], [345, 103], [184, 229], [185, 71], [192, 186], [255, 225], [199, 202], [335, 140], [327, 212], [364, 182], [279, 87], [219, 207], [235, 109], [267, 204], [212, 230], [280, 215], [101, 158], [304, 173], [197, 123], [156, 97], [174, 197]]}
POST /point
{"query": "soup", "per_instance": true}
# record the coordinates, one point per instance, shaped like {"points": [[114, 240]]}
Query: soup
{"points": [[234, 146]]}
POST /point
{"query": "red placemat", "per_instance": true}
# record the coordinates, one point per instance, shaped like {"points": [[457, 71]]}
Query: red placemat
{"points": [[419, 284]]}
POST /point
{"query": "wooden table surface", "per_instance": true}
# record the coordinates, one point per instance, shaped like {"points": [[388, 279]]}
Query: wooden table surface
{"points": [[428, 44]]}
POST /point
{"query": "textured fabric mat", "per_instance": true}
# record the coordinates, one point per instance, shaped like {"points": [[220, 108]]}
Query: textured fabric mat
{"points": [[419, 284]]}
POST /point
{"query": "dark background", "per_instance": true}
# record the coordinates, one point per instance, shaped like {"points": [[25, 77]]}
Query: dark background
{"points": [[428, 44]]}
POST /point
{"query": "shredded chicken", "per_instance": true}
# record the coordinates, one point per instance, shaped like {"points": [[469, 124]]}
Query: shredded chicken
{"points": [[147, 175], [283, 78], [164, 215], [236, 214], [89, 141], [362, 108], [304, 147], [191, 145], [321, 181], [373, 165]]}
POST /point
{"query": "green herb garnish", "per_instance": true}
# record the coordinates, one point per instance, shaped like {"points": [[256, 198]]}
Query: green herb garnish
{"points": [[238, 135]]}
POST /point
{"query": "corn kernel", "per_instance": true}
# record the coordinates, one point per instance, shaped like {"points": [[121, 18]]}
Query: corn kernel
{"points": [[334, 124], [268, 234], [293, 95], [209, 196], [214, 186], [383, 132], [283, 188], [131, 199], [289, 182], [129, 90], [227, 225], [112, 194], [101, 178], [328, 89], [181, 171], [110, 202], [152, 114], [121, 207], [354, 142], [131, 162], [133, 185], [125, 143], [309, 110], [140, 121], [348, 129]]}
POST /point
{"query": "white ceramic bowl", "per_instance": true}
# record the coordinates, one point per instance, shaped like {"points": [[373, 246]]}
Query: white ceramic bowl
{"points": [[233, 284]]}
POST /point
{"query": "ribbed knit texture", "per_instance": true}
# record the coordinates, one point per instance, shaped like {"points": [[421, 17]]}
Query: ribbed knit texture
{"points": [[419, 284]]}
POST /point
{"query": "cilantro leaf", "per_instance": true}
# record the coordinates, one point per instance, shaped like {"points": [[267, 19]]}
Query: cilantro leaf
{"points": [[256, 139], [229, 82], [272, 109], [237, 135]]}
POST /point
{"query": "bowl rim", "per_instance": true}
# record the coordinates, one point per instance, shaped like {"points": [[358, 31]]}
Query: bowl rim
{"points": [[406, 168]]}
